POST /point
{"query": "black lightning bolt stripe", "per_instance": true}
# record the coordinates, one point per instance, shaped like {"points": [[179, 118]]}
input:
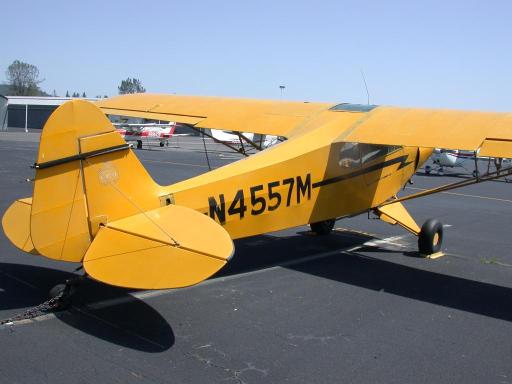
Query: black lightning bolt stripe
{"points": [[397, 160]]}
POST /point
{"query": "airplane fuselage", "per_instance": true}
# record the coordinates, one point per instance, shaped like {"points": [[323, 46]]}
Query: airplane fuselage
{"points": [[313, 177]]}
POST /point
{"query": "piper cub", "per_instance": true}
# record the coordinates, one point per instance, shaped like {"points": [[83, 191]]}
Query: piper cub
{"points": [[94, 203]]}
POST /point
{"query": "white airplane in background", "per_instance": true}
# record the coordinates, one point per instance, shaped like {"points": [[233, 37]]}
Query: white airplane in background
{"points": [[271, 140], [230, 138], [453, 159]]}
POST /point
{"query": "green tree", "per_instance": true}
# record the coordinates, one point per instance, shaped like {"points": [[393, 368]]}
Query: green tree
{"points": [[23, 79], [83, 94], [67, 93], [131, 86]]}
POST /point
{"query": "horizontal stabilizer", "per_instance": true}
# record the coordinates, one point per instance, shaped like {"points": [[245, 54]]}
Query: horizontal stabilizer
{"points": [[169, 247], [16, 224]]}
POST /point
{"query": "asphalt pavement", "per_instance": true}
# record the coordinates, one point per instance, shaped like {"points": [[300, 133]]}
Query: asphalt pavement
{"points": [[357, 306]]}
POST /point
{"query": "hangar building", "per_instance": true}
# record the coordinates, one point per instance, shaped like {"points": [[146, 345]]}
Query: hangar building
{"points": [[30, 111]]}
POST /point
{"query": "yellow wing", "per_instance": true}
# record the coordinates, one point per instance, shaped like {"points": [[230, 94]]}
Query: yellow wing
{"points": [[268, 117], [488, 132]]}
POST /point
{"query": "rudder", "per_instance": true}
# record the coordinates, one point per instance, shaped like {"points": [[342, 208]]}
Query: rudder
{"points": [[86, 175]]}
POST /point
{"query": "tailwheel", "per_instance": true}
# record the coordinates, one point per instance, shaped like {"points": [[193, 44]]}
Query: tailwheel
{"points": [[323, 227], [61, 297], [431, 237], [139, 144], [61, 294]]}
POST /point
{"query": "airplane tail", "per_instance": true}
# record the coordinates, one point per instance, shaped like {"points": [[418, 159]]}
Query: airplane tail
{"points": [[94, 202]]}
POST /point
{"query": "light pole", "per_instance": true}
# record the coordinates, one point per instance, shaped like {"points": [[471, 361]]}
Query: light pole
{"points": [[26, 117], [282, 87]]}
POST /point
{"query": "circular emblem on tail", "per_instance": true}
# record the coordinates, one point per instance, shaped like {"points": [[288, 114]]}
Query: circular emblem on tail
{"points": [[108, 173]]}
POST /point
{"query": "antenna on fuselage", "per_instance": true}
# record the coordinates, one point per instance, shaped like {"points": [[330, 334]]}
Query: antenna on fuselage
{"points": [[365, 87]]}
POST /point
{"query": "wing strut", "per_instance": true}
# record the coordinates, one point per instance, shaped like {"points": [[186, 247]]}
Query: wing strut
{"points": [[203, 132], [503, 172], [242, 136]]}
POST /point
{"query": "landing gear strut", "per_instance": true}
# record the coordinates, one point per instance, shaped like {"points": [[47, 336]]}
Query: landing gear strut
{"points": [[430, 235], [323, 227]]}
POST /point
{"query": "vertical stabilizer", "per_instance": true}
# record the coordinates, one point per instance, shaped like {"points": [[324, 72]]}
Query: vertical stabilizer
{"points": [[86, 175]]}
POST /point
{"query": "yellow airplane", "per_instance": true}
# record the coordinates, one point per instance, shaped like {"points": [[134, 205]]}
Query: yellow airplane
{"points": [[94, 203]]}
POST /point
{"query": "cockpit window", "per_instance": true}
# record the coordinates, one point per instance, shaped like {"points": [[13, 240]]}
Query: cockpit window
{"points": [[349, 156], [347, 107], [370, 152], [354, 155]]}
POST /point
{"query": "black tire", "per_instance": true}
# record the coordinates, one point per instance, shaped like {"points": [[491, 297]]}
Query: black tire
{"points": [[139, 144], [431, 237], [323, 227], [428, 169], [64, 301], [162, 143], [476, 173]]}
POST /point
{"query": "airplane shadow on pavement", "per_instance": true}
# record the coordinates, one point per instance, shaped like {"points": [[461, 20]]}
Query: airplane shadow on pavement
{"points": [[376, 274], [130, 322]]}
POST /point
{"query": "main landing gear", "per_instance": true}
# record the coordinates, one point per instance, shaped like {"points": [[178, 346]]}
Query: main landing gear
{"points": [[430, 235], [428, 170], [323, 227]]}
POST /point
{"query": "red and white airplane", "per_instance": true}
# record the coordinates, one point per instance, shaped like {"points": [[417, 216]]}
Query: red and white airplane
{"points": [[146, 133]]}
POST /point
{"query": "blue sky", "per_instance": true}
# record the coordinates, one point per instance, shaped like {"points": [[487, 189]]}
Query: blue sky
{"points": [[449, 54]]}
